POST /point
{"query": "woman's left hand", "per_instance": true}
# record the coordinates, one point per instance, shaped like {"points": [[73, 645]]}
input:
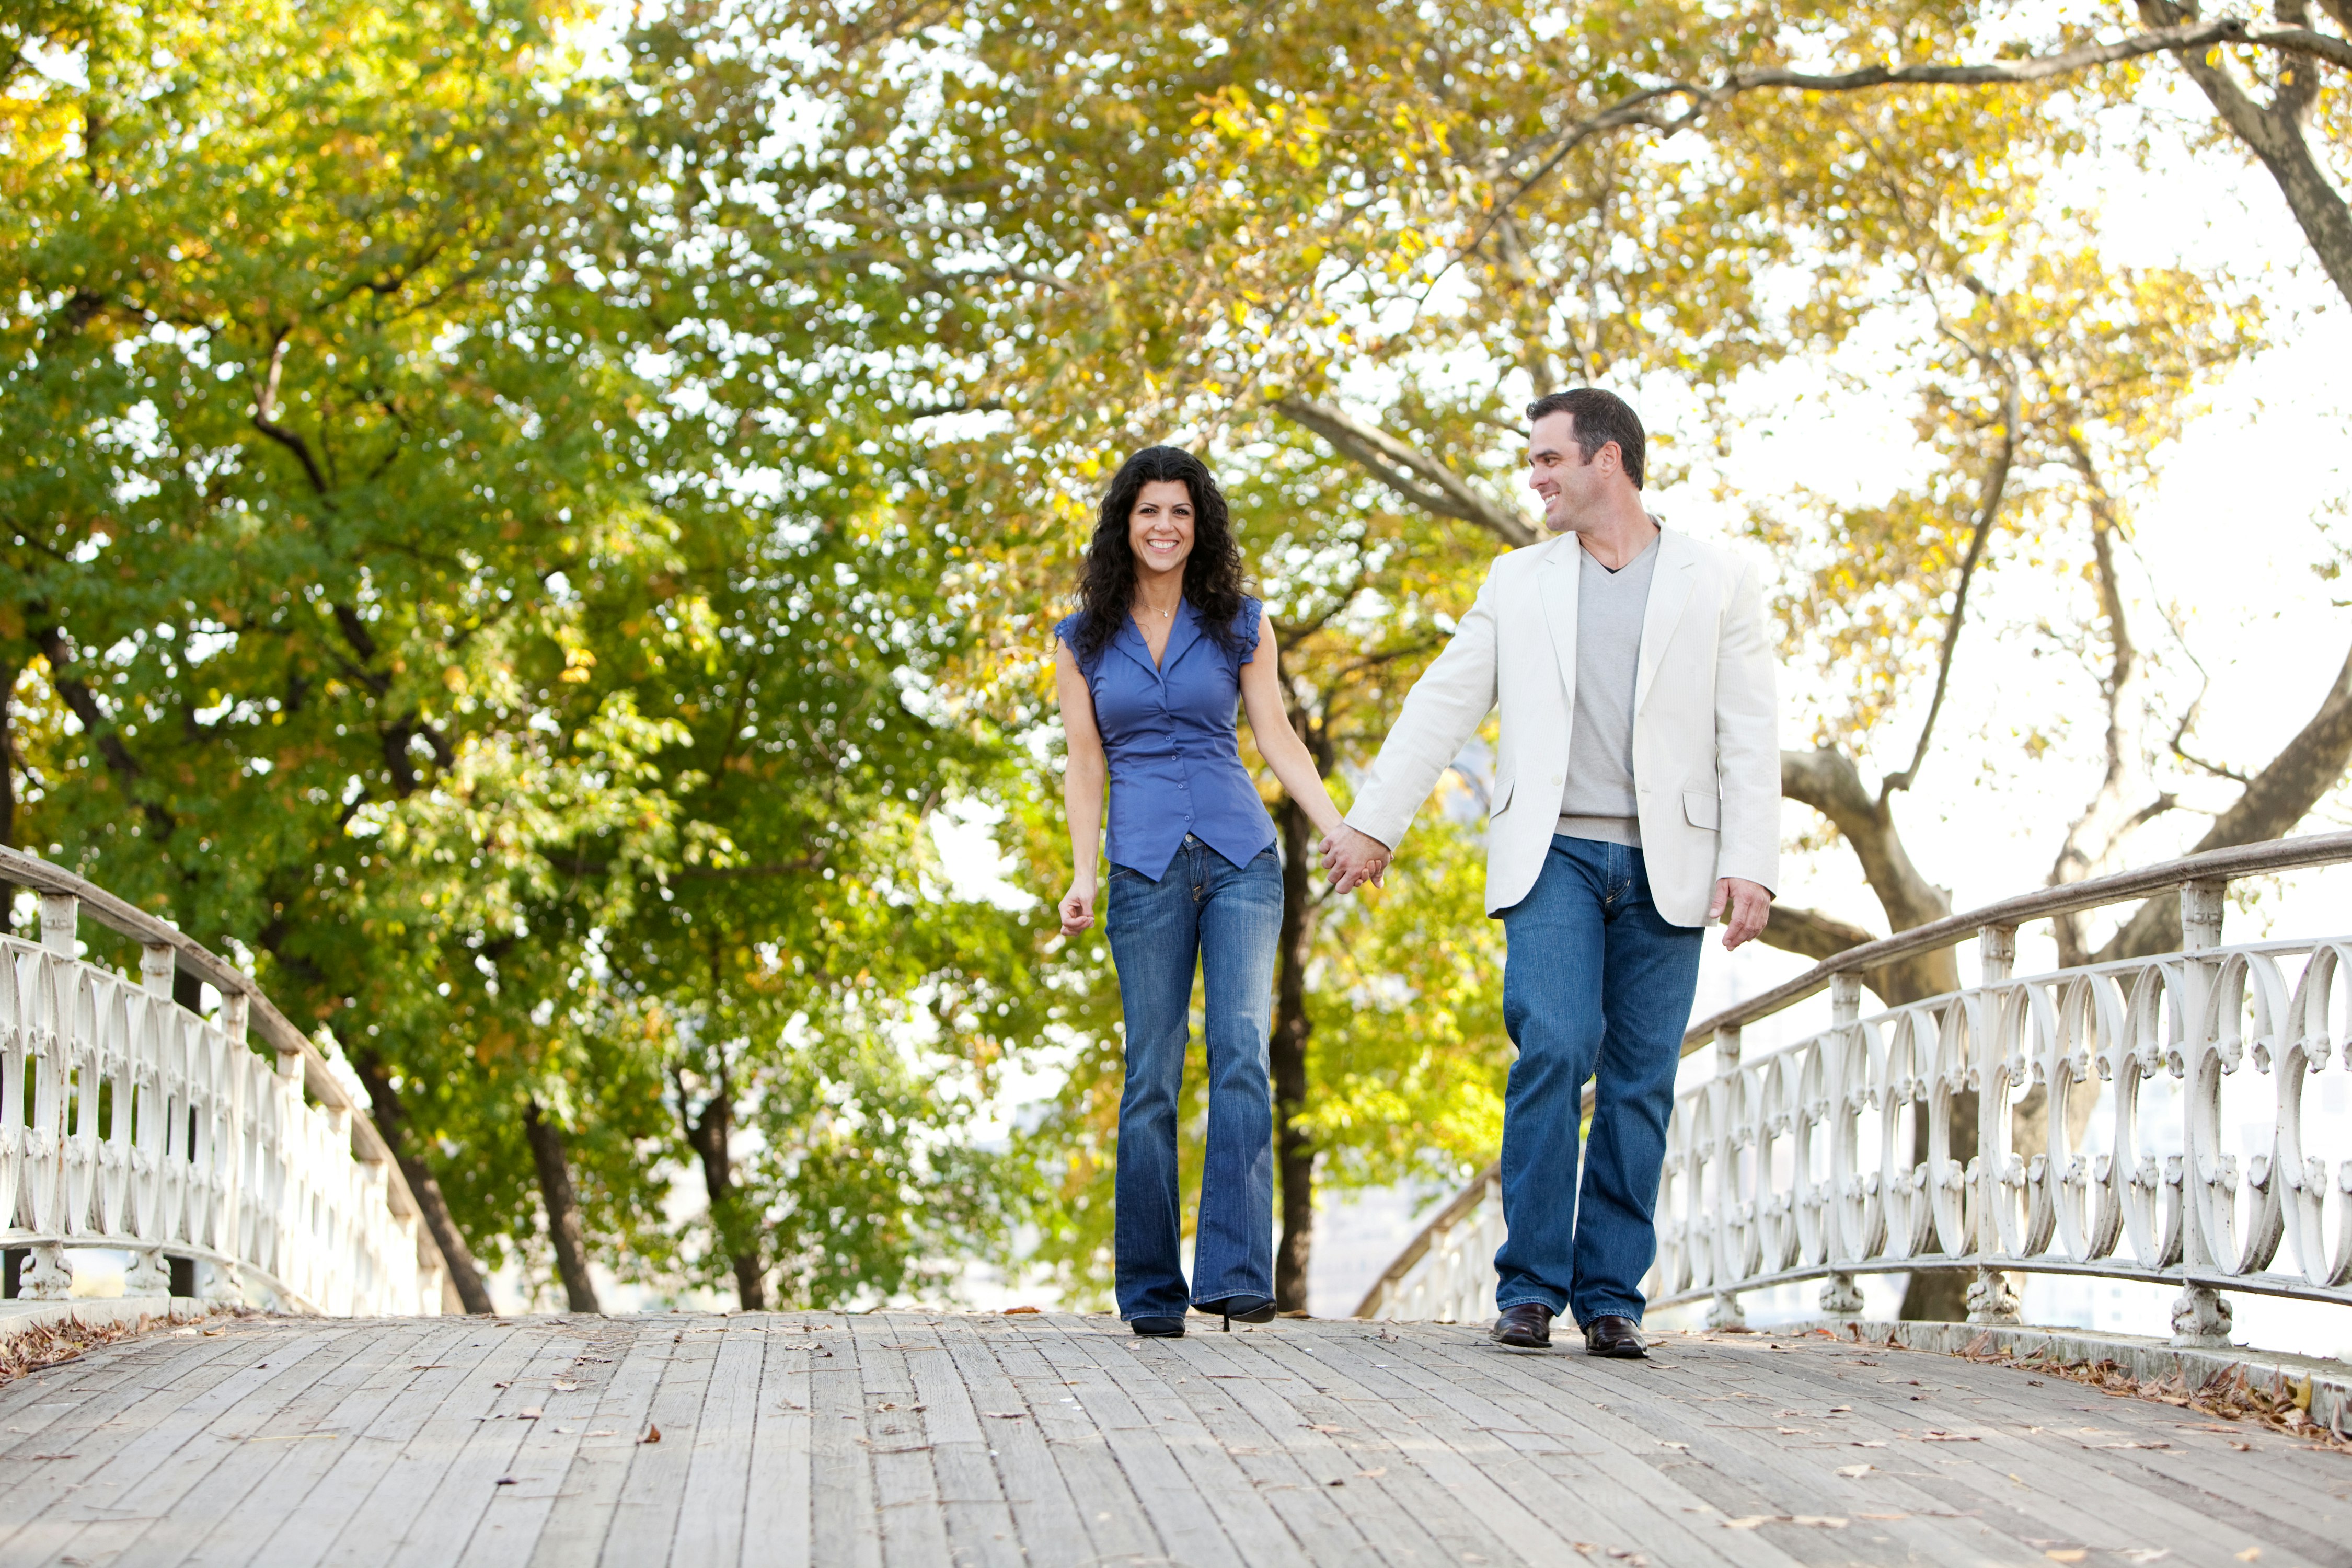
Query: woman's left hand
{"points": [[1077, 907]]}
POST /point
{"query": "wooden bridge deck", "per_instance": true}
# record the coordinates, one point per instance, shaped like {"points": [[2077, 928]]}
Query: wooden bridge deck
{"points": [[909, 1438]]}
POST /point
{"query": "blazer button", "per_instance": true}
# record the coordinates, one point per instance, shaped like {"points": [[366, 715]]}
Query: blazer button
{"points": [[1559, 778]]}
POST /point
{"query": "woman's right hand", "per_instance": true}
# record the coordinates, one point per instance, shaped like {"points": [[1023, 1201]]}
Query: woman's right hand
{"points": [[1078, 906]]}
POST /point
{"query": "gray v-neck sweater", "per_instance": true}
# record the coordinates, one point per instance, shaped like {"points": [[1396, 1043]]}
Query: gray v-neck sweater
{"points": [[1598, 801]]}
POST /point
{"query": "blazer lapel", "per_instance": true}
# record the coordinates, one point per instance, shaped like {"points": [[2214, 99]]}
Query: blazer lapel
{"points": [[1556, 585], [1670, 591]]}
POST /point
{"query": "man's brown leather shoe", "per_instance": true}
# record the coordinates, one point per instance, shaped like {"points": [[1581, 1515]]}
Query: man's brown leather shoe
{"points": [[1526, 1327], [1613, 1336]]}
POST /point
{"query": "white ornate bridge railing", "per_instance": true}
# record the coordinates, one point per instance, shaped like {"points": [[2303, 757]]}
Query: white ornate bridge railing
{"points": [[224, 1169], [2147, 1119]]}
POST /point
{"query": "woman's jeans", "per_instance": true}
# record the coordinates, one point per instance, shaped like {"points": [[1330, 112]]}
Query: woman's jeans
{"points": [[1598, 984], [1227, 918]]}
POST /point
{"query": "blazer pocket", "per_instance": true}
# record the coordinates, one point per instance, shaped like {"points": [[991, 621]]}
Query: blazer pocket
{"points": [[1703, 810], [1502, 796]]}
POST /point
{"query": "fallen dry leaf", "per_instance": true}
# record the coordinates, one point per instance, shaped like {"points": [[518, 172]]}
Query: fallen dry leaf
{"points": [[2251, 1555], [1021, 1312], [564, 1387], [528, 1413], [1882, 1516], [653, 1435], [1674, 1444], [2067, 1554], [1855, 1469], [1375, 1473]]}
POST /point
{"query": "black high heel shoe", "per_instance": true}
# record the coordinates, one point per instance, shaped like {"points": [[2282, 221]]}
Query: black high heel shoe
{"points": [[1158, 1328], [1238, 1309]]}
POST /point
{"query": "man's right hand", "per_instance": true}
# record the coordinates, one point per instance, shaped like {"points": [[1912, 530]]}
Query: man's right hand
{"points": [[1352, 859]]}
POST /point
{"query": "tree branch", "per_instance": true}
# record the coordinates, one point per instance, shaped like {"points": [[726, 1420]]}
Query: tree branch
{"points": [[1418, 477], [84, 705], [2275, 136], [2280, 796], [2179, 37], [1996, 485]]}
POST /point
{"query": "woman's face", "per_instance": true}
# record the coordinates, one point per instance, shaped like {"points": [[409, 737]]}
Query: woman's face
{"points": [[1159, 529]]}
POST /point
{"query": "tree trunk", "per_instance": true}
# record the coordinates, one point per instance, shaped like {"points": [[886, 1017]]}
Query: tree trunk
{"points": [[2279, 797], [1294, 1149], [710, 1133], [391, 1120], [564, 1228]]}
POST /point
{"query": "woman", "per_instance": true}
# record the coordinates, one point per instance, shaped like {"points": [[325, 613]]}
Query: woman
{"points": [[1150, 669]]}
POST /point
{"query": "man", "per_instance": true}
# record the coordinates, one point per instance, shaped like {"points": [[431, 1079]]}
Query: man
{"points": [[1637, 792]]}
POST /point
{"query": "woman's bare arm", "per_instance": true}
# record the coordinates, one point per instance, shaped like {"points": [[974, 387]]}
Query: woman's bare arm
{"points": [[1082, 790], [1277, 742]]}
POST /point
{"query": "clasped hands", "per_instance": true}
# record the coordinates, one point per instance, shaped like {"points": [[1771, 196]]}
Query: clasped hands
{"points": [[1351, 858]]}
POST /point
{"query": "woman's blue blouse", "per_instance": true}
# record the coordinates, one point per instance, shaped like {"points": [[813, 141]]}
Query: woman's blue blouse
{"points": [[1169, 737]]}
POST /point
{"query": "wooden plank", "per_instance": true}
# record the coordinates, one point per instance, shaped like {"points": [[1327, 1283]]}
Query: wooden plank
{"points": [[973, 1506], [576, 1519], [146, 1434], [906, 1490], [311, 1529], [276, 1477], [1740, 1469], [507, 1527], [114, 1503], [776, 1517], [1269, 1506], [474, 1411], [1116, 1522], [456, 1459], [717, 1476], [1955, 1473], [2071, 1484], [1302, 1409], [645, 1517], [1191, 1533], [845, 1528], [1046, 1523], [1628, 1506], [47, 1412], [176, 1505]]}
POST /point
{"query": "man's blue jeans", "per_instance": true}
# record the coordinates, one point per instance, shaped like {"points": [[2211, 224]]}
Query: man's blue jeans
{"points": [[1228, 918], [1594, 978]]}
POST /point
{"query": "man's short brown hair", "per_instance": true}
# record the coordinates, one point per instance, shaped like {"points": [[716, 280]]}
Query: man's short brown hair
{"points": [[1599, 418]]}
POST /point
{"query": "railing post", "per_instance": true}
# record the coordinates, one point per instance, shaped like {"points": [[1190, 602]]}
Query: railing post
{"points": [[60, 917], [222, 1283], [46, 1274], [2201, 1319], [1841, 1297], [149, 1275], [1996, 954], [2201, 903], [1725, 1311]]}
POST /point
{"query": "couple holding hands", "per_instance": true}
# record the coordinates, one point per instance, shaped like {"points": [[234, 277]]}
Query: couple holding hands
{"points": [[1636, 800]]}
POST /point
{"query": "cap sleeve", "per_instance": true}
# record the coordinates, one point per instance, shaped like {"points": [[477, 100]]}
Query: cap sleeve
{"points": [[1066, 632], [1244, 646]]}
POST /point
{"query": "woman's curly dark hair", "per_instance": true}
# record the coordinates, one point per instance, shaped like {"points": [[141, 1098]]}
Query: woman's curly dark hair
{"points": [[1213, 574]]}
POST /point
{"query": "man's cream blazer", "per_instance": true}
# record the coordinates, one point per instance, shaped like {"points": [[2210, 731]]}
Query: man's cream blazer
{"points": [[1706, 747]]}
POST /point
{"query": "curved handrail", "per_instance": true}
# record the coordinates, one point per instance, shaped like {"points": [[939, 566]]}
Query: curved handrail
{"points": [[367, 1141], [2215, 866]]}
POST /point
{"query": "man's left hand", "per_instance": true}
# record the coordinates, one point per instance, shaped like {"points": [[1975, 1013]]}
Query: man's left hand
{"points": [[1749, 904]]}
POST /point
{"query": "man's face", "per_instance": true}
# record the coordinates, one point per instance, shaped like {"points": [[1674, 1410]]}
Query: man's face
{"points": [[1568, 486]]}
